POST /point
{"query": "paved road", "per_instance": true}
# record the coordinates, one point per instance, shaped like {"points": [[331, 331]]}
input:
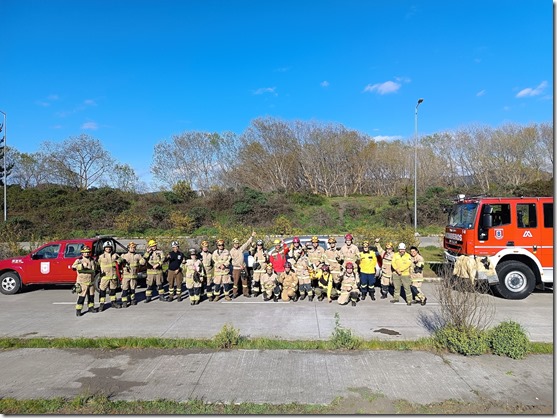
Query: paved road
{"points": [[265, 376], [275, 376], [51, 313]]}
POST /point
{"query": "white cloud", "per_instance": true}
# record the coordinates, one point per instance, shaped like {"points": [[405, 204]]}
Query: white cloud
{"points": [[90, 125], [264, 90], [383, 88], [89, 102], [387, 138], [324, 83], [480, 93], [282, 69], [531, 92], [48, 101]]}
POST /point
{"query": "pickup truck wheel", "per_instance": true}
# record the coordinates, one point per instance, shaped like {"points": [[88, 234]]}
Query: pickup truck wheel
{"points": [[516, 280], [97, 283], [10, 283]]}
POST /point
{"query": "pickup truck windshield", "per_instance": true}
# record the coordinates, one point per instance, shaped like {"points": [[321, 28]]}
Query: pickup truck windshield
{"points": [[462, 215]]}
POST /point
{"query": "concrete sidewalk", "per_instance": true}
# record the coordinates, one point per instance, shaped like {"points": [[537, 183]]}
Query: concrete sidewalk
{"points": [[274, 376]]}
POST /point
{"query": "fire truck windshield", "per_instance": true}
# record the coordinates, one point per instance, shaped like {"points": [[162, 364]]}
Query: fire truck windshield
{"points": [[462, 215]]}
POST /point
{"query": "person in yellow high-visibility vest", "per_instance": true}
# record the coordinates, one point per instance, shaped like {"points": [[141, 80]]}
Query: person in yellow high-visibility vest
{"points": [[401, 265]]}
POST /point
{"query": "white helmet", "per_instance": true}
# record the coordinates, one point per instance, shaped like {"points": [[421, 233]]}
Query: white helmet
{"points": [[174, 244], [402, 246], [107, 244]]}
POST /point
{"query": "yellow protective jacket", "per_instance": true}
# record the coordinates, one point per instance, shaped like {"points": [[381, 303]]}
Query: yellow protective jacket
{"points": [[402, 264], [368, 262], [325, 281]]}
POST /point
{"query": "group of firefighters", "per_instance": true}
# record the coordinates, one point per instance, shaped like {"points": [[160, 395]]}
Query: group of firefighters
{"points": [[290, 272]]}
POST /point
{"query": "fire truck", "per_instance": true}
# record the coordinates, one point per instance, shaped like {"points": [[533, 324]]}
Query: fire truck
{"points": [[514, 233]]}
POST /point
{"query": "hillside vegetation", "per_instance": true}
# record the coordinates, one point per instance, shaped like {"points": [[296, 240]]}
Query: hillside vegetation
{"points": [[54, 211]]}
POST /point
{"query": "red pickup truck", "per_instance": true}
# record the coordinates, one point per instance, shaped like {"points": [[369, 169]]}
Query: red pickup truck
{"points": [[50, 263]]}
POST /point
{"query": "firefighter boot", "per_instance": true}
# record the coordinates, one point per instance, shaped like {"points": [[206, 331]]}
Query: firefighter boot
{"points": [[170, 298], [353, 303], [78, 312], [384, 291], [372, 295], [101, 307], [115, 305], [275, 298], [303, 296], [311, 298], [148, 299]]}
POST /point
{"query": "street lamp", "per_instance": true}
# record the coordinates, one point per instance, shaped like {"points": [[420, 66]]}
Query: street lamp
{"points": [[4, 162], [416, 168]]}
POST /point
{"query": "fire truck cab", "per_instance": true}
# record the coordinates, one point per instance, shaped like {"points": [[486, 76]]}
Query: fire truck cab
{"points": [[515, 233]]}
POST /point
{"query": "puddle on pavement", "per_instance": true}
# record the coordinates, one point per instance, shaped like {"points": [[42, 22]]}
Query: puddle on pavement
{"points": [[387, 331]]}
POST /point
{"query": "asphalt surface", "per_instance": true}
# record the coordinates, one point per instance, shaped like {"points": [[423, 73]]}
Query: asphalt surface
{"points": [[265, 376]]}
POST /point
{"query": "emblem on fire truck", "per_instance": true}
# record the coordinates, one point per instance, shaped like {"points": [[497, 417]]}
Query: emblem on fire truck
{"points": [[498, 234], [527, 234]]}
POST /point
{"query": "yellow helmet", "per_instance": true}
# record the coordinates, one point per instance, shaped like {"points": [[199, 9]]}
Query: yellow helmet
{"points": [[85, 249], [314, 239], [220, 242], [389, 245], [132, 244], [152, 243], [331, 240], [366, 243], [235, 241], [204, 243], [276, 242]]}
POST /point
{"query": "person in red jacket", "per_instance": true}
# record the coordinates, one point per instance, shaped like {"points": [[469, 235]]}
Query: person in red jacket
{"points": [[278, 259]]}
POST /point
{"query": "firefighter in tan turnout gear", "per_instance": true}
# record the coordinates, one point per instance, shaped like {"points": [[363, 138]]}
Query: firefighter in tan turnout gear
{"points": [[260, 261], [349, 251], [301, 267], [221, 258], [239, 272], [417, 274], [289, 283], [153, 258], [86, 269], [269, 284], [109, 276], [315, 258], [209, 266], [333, 257], [349, 285], [130, 264], [195, 273], [386, 266]]}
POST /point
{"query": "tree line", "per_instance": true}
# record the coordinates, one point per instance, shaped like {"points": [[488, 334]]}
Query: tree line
{"points": [[275, 155]]}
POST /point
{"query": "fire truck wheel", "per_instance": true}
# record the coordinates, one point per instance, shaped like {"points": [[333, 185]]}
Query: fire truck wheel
{"points": [[10, 283], [516, 280]]}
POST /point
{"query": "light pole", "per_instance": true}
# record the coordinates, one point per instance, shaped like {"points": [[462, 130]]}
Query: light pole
{"points": [[416, 168], [4, 162]]}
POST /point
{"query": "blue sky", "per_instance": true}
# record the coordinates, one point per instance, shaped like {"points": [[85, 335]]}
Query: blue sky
{"points": [[134, 73]]}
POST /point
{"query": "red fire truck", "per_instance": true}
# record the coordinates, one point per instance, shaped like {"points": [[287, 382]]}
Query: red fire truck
{"points": [[516, 233]]}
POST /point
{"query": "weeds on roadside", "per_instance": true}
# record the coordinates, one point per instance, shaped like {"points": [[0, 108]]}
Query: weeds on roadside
{"points": [[227, 337], [343, 337], [509, 339]]}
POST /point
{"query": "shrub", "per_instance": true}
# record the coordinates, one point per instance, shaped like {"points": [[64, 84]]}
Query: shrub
{"points": [[469, 341], [343, 337], [227, 337], [509, 339]]}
